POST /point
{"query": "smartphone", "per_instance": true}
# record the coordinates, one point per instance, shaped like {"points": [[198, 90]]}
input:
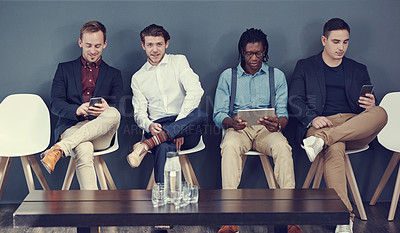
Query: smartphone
{"points": [[94, 100], [366, 89]]}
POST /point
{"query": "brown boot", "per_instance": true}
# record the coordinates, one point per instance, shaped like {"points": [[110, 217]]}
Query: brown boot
{"points": [[229, 229], [50, 157], [139, 151], [294, 229]]}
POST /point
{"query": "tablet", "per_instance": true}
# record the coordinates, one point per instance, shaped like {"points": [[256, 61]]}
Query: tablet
{"points": [[251, 116]]}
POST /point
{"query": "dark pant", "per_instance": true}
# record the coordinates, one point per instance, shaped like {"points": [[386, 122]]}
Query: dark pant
{"points": [[191, 127]]}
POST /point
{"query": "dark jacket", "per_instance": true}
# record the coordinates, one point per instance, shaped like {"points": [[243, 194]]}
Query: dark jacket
{"points": [[66, 91], [307, 92]]}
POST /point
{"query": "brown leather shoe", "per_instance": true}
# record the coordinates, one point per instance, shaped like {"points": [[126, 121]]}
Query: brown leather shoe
{"points": [[229, 229], [293, 229], [139, 151], [50, 157]]}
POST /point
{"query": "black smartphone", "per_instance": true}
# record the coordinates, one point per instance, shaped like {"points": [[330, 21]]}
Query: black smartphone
{"points": [[94, 100], [366, 89]]}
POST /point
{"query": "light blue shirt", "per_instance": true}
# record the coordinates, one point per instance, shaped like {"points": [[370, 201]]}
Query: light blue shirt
{"points": [[252, 92]]}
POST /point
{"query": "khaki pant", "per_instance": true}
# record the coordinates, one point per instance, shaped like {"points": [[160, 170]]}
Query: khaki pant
{"points": [[84, 138], [349, 131], [236, 143]]}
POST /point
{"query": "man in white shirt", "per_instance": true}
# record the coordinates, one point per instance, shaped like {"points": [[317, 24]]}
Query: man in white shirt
{"points": [[166, 96]]}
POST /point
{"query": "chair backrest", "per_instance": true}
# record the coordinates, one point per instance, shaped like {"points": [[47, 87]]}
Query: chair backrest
{"points": [[388, 137], [200, 146], [24, 125]]}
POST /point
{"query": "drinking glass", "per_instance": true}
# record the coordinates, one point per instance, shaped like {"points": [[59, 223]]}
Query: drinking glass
{"points": [[185, 193], [157, 195], [194, 194]]}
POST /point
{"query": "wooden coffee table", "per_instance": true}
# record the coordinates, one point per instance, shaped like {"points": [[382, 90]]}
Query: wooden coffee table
{"points": [[87, 210]]}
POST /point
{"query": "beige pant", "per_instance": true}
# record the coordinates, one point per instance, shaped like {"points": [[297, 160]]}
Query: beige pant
{"points": [[84, 138], [236, 143], [349, 131]]}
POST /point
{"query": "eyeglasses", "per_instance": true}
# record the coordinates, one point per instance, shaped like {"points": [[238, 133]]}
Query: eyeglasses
{"points": [[250, 54]]}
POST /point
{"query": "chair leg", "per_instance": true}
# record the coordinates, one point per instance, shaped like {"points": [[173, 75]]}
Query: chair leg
{"points": [[192, 174], [70, 174], [107, 174], [5, 163], [269, 172], [151, 182], [311, 173], [395, 198], [38, 172], [388, 172], [185, 168], [100, 173], [351, 179], [28, 173], [318, 174]]}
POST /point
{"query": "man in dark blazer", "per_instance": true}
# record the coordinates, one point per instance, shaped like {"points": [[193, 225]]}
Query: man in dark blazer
{"points": [[83, 127], [324, 97]]}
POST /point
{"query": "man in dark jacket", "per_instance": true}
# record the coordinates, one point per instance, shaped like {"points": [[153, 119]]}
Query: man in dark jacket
{"points": [[324, 96], [83, 127]]}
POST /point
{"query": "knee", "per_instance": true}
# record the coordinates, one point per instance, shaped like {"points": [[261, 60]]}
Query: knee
{"points": [[231, 148], [200, 115], [112, 114], [280, 147], [381, 114]]}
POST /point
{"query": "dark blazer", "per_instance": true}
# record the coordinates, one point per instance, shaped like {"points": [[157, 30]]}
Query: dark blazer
{"points": [[307, 92], [66, 92]]}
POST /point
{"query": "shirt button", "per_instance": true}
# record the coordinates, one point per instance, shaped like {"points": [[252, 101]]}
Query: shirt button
{"points": [[90, 80], [87, 93], [90, 69]]}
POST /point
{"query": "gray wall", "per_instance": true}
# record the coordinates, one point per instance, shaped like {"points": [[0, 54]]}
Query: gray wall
{"points": [[36, 36]]}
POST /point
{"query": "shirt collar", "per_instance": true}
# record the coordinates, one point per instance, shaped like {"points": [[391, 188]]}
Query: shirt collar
{"points": [[92, 65], [165, 60], [263, 69]]}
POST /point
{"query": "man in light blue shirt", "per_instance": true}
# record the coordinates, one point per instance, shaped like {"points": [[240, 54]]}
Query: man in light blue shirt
{"points": [[253, 92]]}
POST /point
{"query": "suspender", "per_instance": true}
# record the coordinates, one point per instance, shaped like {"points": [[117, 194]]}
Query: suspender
{"points": [[234, 87], [233, 90]]}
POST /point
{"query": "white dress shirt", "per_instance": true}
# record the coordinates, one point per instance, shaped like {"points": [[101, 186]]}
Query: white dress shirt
{"points": [[171, 88]]}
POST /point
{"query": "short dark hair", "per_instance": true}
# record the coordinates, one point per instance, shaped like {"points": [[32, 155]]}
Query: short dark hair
{"points": [[154, 30], [335, 24], [252, 36], [93, 26]]}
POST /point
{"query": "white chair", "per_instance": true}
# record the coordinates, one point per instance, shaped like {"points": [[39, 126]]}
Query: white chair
{"points": [[103, 174], [388, 138], [187, 168], [316, 171], [268, 171], [24, 132]]}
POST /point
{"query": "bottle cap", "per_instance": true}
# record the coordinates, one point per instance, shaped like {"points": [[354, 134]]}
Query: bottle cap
{"points": [[172, 154]]}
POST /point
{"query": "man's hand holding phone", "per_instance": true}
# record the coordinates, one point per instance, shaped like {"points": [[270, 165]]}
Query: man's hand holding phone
{"points": [[366, 99], [97, 106], [367, 102]]}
